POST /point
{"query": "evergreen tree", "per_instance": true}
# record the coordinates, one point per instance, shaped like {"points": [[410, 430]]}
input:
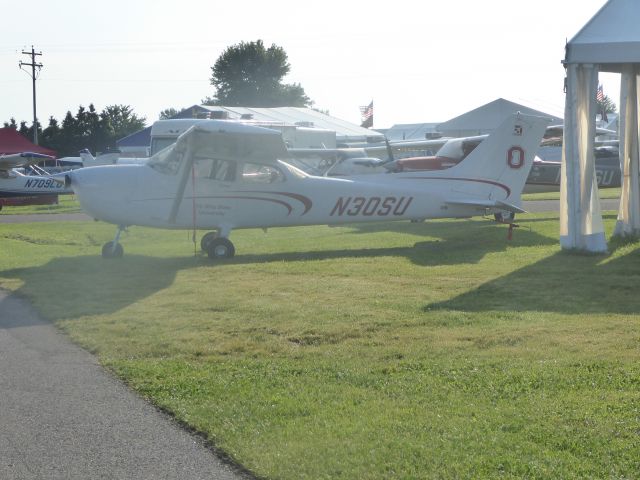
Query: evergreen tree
{"points": [[87, 129], [11, 124]]}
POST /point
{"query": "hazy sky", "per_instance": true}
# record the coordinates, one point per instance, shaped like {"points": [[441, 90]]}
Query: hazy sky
{"points": [[419, 61]]}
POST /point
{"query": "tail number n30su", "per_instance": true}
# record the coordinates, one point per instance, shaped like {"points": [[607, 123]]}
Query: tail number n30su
{"points": [[371, 206]]}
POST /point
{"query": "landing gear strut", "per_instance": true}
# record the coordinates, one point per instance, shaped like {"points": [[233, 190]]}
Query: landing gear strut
{"points": [[113, 249], [507, 218]]}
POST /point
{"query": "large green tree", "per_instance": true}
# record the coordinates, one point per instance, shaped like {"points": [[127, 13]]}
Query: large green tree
{"points": [[250, 75]]}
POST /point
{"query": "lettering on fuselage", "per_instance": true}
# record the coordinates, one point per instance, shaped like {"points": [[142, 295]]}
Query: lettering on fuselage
{"points": [[371, 206], [41, 183]]}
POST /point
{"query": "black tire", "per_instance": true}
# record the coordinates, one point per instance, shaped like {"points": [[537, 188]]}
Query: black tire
{"points": [[109, 252], [505, 217], [206, 239], [220, 248]]}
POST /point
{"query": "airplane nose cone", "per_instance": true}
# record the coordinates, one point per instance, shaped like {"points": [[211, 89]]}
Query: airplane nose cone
{"points": [[103, 192]]}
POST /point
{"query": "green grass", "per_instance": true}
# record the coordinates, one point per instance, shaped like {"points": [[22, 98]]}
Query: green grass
{"points": [[431, 350], [604, 193]]}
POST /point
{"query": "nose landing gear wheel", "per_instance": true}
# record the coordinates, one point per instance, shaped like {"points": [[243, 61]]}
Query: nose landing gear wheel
{"points": [[109, 251], [220, 248]]}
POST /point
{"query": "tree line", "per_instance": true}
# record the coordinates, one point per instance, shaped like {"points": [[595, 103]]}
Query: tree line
{"points": [[87, 129]]}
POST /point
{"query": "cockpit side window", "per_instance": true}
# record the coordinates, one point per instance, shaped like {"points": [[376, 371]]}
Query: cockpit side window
{"points": [[215, 169]]}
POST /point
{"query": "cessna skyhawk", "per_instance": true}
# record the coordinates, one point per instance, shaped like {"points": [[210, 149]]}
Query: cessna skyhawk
{"points": [[222, 176]]}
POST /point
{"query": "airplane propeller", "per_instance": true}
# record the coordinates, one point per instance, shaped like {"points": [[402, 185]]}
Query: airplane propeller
{"points": [[390, 157]]}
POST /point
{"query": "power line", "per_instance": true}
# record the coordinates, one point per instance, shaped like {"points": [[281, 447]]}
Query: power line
{"points": [[33, 76]]}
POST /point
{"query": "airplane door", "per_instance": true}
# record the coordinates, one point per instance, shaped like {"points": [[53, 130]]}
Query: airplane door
{"points": [[212, 191]]}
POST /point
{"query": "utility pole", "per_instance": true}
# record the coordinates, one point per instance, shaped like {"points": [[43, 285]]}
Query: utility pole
{"points": [[33, 76]]}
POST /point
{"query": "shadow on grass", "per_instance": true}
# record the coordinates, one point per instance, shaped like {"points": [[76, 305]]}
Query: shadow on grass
{"points": [[563, 283], [71, 287], [457, 243]]}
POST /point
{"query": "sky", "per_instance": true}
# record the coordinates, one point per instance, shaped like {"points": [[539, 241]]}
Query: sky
{"points": [[418, 61]]}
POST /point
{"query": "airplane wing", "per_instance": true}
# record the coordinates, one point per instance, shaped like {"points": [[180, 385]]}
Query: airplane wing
{"points": [[497, 204], [15, 160], [234, 141]]}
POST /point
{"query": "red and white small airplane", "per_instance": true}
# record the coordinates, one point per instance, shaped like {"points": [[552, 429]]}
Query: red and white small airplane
{"points": [[223, 175]]}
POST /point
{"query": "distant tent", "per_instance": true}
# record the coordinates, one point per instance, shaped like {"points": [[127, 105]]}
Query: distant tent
{"points": [[486, 118], [609, 42], [12, 142]]}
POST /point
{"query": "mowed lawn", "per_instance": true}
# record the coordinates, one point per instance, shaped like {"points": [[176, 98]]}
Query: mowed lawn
{"points": [[428, 350]]}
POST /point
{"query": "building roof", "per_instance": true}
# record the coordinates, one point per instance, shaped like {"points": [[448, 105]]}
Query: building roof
{"points": [[486, 118], [136, 139], [11, 141], [411, 131], [610, 38]]}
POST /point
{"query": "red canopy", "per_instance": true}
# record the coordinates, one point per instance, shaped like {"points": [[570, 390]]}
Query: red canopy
{"points": [[12, 142]]}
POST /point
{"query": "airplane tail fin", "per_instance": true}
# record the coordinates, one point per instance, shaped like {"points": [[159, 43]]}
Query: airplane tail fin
{"points": [[88, 160], [503, 160]]}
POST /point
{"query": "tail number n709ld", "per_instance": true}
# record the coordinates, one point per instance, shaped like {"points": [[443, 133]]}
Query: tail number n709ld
{"points": [[371, 206]]}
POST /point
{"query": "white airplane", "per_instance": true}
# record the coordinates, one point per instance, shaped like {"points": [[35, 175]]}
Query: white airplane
{"points": [[14, 183], [225, 176]]}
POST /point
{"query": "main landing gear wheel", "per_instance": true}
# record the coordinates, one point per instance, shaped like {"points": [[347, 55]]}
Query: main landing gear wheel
{"points": [[111, 251], [206, 240], [220, 248]]}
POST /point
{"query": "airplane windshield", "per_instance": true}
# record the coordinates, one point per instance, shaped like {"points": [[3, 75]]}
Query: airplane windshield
{"points": [[295, 171], [166, 161], [459, 148], [452, 149]]}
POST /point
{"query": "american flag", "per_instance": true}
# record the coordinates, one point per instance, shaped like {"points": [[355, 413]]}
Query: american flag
{"points": [[367, 115], [600, 94]]}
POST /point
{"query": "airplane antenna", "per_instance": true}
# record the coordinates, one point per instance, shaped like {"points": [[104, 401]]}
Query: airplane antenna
{"points": [[33, 76]]}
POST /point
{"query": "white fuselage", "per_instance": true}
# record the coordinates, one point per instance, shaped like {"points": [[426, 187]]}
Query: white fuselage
{"points": [[145, 197]]}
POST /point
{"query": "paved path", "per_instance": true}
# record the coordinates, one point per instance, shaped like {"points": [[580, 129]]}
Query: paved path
{"points": [[44, 217], [554, 205], [62, 416]]}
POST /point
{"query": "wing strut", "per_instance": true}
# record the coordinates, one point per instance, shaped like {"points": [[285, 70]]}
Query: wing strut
{"points": [[182, 183]]}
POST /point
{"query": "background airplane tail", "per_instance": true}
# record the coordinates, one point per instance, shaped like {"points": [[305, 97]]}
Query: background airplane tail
{"points": [[504, 158], [88, 160]]}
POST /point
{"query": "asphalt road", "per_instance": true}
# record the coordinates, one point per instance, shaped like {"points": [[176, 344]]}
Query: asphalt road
{"points": [[62, 416], [538, 206], [44, 217]]}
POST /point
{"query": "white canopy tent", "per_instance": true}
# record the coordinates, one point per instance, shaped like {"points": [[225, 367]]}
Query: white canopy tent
{"points": [[609, 42]]}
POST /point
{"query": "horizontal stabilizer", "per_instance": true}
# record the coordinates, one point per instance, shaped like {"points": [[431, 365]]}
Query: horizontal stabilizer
{"points": [[494, 204]]}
